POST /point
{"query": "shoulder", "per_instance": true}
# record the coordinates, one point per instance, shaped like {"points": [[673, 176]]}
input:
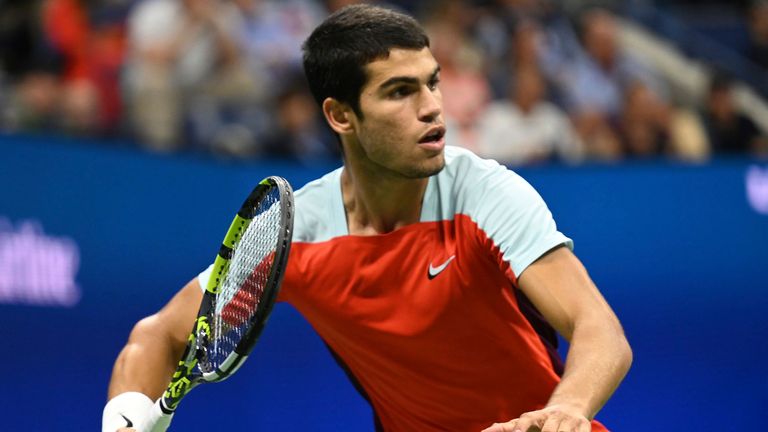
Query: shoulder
{"points": [[503, 206], [461, 160], [467, 173], [315, 218], [474, 186]]}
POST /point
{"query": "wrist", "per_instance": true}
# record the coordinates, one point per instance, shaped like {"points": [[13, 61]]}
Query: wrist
{"points": [[125, 410], [570, 407]]}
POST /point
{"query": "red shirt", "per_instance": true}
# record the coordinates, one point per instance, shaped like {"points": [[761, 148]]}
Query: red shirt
{"points": [[428, 319]]}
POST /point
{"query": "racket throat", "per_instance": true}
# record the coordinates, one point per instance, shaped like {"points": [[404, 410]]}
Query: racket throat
{"points": [[165, 408]]}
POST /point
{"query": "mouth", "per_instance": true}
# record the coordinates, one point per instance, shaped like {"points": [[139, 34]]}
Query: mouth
{"points": [[434, 138]]}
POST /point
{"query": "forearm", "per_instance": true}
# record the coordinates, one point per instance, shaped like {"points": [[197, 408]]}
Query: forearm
{"points": [[598, 359], [147, 361], [155, 346], [144, 367]]}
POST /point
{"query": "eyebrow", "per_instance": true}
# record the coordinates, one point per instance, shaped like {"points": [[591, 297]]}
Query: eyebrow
{"points": [[407, 79]]}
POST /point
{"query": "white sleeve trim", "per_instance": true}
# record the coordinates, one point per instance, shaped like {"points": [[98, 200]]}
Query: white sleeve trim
{"points": [[204, 276]]}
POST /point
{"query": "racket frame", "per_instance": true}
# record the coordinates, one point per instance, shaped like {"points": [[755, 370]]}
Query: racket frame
{"points": [[186, 377]]}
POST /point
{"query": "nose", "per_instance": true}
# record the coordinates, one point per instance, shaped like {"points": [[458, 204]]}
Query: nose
{"points": [[430, 104]]}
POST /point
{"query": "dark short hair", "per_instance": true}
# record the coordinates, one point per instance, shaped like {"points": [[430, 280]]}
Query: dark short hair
{"points": [[337, 51]]}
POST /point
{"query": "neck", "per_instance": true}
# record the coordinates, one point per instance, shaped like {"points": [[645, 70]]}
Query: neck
{"points": [[378, 203]]}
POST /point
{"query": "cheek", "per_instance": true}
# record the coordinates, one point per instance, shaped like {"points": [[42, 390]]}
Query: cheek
{"points": [[380, 139], [389, 130]]}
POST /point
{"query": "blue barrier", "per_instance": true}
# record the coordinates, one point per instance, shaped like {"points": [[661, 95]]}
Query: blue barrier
{"points": [[92, 238]]}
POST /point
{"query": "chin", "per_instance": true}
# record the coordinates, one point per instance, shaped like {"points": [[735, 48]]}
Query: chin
{"points": [[429, 168]]}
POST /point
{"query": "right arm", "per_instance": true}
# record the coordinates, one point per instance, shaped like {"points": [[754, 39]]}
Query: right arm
{"points": [[156, 343]]}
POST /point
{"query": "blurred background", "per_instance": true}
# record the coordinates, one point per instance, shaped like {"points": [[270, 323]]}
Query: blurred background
{"points": [[131, 129]]}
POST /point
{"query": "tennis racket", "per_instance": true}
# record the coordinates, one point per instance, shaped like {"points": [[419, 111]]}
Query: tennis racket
{"points": [[238, 299]]}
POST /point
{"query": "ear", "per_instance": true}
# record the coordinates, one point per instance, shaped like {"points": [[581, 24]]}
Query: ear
{"points": [[338, 115]]}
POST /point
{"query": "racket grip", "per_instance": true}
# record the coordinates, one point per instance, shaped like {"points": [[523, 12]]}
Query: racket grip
{"points": [[156, 420]]}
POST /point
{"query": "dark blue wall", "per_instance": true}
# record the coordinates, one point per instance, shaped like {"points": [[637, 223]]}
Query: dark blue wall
{"points": [[677, 250]]}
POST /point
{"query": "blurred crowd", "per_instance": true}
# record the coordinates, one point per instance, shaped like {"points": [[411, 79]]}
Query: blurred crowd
{"points": [[522, 80]]}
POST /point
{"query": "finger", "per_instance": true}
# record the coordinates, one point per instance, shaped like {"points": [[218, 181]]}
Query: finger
{"points": [[552, 424], [493, 428], [501, 427], [584, 426], [530, 422], [574, 425], [509, 426]]}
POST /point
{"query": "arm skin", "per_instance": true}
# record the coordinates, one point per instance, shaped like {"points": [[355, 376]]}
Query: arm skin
{"points": [[599, 355], [155, 346]]}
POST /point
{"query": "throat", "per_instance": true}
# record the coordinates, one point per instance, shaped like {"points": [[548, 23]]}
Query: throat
{"points": [[374, 208]]}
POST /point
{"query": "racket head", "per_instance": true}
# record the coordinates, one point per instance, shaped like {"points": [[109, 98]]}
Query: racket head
{"points": [[245, 280]]}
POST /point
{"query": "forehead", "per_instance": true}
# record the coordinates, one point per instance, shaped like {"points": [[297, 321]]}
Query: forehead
{"points": [[401, 63]]}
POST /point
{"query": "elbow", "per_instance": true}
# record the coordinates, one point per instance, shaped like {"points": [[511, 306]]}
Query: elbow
{"points": [[624, 356], [152, 333], [622, 350], [146, 328], [617, 346]]}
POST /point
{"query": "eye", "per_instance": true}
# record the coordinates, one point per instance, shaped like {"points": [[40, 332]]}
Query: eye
{"points": [[400, 92], [433, 83]]}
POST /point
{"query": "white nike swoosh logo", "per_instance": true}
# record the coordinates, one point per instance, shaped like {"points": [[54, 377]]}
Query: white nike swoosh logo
{"points": [[434, 271]]}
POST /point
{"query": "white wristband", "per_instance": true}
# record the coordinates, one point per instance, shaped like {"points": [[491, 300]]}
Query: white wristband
{"points": [[125, 410]]}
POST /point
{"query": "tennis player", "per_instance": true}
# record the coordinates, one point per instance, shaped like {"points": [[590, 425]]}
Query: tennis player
{"points": [[437, 278]]}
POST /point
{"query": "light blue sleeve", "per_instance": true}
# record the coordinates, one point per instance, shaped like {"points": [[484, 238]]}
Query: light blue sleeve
{"points": [[506, 208]]}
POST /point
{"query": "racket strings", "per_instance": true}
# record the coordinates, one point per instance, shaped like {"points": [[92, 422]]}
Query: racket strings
{"points": [[243, 286]]}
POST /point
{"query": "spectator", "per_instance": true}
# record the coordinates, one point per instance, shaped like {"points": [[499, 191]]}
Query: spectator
{"points": [[29, 70], [32, 102], [185, 64], [523, 51], [593, 83], [90, 39], [463, 81], [525, 128], [299, 131], [271, 35], [729, 131], [643, 123], [650, 128], [758, 33], [511, 34]]}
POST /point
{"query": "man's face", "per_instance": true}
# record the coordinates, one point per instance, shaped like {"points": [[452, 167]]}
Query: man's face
{"points": [[401, 132], [600, 39]]}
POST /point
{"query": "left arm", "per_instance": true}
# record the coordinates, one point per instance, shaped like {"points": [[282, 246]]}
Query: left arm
{"points": [[599, 355]]}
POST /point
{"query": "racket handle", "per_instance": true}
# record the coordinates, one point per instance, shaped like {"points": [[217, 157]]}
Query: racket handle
{"points": [[156, 420]]}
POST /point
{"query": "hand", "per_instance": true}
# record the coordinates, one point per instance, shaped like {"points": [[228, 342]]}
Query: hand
{"points": [[555, 418]]}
